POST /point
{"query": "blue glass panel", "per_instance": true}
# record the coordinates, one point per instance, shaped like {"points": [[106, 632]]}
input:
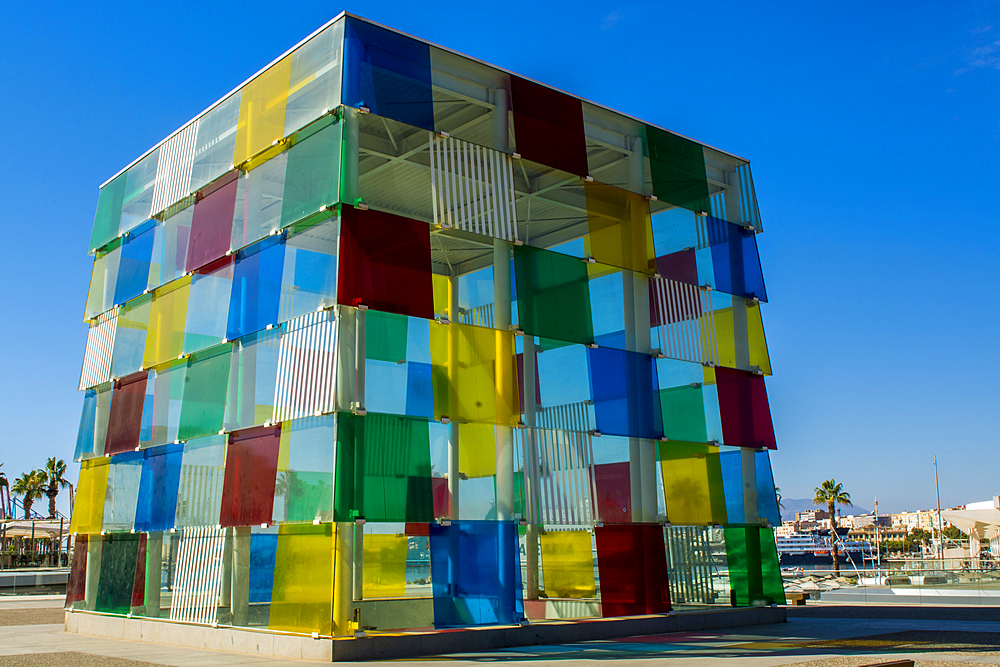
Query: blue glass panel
{"points": [[623, 385], [563, 375], [767, 500], [419, 390], [732, 484], [263, 549], [389, 73], [385, 386], [256, 287], [161, 471], [133, 265], [88, 422], [734, 259], [475, 574]]}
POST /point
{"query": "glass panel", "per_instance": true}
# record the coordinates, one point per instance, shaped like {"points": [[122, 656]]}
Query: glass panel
{"points": [[677, 166], [252, 378], [77, 584], [214, 147], [302, 592], [168, 390], [548, 126], [759, 358], [123, 491], [314, 84], [473, 372], [692, 484], [614, 492], [753, 566], [119, 555], [202, 474], [624, 388], [735, 262], [170, 246], [138, 199], [475, 574], [767, 500], [88, 508], [130, 336], [682, 402], [312, 174], [385, 263], [134, 264], [103, 281], [384, 566], [165, 336], [568, 564], [208, 306], [109, 212], [206, 384], [262, 110], [93, 432], [632, 565], [772, 587], [618, 222], [477, 451], [251, 469], [126, 414], [304, 488], [258, 202], [263, 553], [256, 288], [389, 73], [731, 462], [307, 366], [212, 222], [746, 415], [157, 504], [309, 273], [383, 469], [553, 295]]}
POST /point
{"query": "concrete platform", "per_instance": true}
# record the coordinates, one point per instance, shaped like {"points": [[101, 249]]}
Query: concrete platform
{"points": [[381, 646]]}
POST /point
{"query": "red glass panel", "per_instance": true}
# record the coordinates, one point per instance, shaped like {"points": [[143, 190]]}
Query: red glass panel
{"points": [[77, 585], [442, 499], [614, 492], [743, 406], [139, 581], [251, 469], [385, 263], [520, 380], [212, 222], [632, 563], [681, 266], [548, 126], [125, 420]]}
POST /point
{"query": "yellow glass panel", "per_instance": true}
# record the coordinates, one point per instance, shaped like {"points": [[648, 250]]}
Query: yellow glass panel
{"points": [[167, 314], [568, 564], [477, 450], [384, 566], [692, 484], [88, 508], [284, 446], [725, 339], [709, 374], [302, 595], [474, 374], [442, 295], [758, 344], [620, 231], [262, 110]]}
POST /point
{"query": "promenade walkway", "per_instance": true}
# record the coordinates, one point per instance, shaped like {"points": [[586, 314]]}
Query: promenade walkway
{"points": [[815, 636]]}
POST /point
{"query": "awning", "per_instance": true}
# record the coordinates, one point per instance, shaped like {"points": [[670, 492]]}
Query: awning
{"points": [[43, 529]]}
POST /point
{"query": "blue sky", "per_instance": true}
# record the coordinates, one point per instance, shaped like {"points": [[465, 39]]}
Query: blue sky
{"points": [[874, 135]]}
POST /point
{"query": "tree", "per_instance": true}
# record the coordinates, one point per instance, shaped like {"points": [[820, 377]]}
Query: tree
{"points": [[54, 472], [953, 533], [30, 486], [832, 493]]}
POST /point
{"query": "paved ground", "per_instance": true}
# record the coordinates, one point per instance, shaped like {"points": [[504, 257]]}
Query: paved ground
{"points": [[815, 636]]}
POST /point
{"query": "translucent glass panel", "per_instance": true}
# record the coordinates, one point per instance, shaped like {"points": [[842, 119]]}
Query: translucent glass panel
{"points": [[746, 415], [130, 336], [170, 245], [383, 469], [548, 126], [263, 553], [93, 432], [134, 262], [165, 335], [195, 586], [88, 509], [476, 574], [692, 484], [119, 556], [251, 470], [103, 280], [258, 202], [767, 500], [252, 380], [473, 371], [309, 272], [312, 172], [168, 392], [138, 199], [553, 295], [624, 389], [618, 223], [173, 169], [123, 491], [385, 263], [754, 575], [731, 462], [76, 587], [632, 565], [157, 504], [256, 288], [314, 82], [612, 482], [208, 305], [387, 72], [201, 480], [689, 402], [126, 414], [109, 212], [302, 590], [677, 166], [384, 566], [307, 366], [567, 564], [216, 142], [304, 487], [262, 110], [206, 384], [212, 222], [735, 261]]}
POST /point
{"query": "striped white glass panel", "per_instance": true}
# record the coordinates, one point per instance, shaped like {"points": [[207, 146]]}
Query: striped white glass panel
{"points": [[480, 316], [559, 476], [173, 172], [197, 579], [749, 212], [687, 325], [473, 188], [307, 366], [100, 343]]}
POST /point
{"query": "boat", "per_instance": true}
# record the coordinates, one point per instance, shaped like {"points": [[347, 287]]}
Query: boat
{"points": [[816, 549]]}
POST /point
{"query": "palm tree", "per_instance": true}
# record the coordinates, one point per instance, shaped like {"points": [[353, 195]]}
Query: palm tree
{"points": [[832, 493], [4, 485], [54, 472], [30, 486]]}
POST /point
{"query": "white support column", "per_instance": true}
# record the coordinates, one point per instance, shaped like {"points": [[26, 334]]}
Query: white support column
{"points": [[241, 576], [360, 331], [505, 434], [453, 444], [343, 579], [530, 410]]}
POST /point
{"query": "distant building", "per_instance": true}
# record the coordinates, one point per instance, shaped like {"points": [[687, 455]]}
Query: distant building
{"points": [[812, 515]]}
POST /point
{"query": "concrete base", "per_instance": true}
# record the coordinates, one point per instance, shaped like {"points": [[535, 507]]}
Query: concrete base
{"points": [[409, 644], [915, 595]]}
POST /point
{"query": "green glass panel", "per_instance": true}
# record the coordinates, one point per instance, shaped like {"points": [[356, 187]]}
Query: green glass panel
{"points": [[743, 551], [304, 490], [677, 166], [205, 384], [312, 177], [553, 295], [385, 336], [683, 410], [773, 589], [109, 212], [118, 558], [383, 469]]}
